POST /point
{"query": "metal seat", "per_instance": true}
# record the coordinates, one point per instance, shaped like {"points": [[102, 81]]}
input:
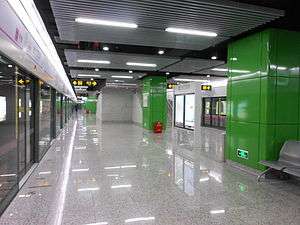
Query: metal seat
{"points": [[293, 171], [288, 162]]}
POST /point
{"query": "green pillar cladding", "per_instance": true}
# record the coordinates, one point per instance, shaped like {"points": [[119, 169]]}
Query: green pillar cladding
{"points": [[263, 96], [154, 101], [91, 104]]}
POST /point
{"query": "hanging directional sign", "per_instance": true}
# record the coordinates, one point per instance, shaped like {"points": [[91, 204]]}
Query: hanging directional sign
{"points": [[171, 86], [206, 87], [22, 81], [89, 83]]}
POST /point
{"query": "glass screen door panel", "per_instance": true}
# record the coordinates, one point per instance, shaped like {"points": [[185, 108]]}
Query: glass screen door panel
{"points": [[179, 110], [189, 120]]}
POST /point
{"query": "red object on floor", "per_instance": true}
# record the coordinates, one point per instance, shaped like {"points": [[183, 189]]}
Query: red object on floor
{"points": [[158, 127]]}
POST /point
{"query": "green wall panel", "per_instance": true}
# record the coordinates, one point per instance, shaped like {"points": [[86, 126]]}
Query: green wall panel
{"points": [[287, 100], [245, 97], [264, 96], [245, 136]]}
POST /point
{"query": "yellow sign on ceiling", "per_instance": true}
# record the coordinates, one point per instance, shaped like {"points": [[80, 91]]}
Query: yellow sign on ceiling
{"points": [[88, 83]]}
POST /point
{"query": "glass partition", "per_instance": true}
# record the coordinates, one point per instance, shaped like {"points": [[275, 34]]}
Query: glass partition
{"points": [[179, 110], [8, 132], [189, 115], [45, 119], [25, 123], [185, 111], [58, 104], [214, 112]]}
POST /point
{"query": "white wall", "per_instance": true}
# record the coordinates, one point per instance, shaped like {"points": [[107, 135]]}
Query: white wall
{"points": [[116, 104], [137, 110]]}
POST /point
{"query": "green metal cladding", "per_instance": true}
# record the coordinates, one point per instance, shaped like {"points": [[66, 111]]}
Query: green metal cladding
{"points": [[91, 104], [263, 95], [154, 90]]}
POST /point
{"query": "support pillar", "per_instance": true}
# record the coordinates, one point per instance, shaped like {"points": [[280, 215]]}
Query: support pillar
{"points": [[263, 96], [154, 101]]}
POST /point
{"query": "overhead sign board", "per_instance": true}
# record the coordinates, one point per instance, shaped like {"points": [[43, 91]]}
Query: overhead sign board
{"points": [[171, 86], [89, 83], [206, 87]]}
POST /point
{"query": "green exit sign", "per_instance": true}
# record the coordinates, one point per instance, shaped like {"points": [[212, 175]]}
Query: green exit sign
{"points": [[242, 153]]}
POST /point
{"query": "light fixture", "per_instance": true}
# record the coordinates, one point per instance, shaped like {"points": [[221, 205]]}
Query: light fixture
{"points": [[208, 76], [214, 57], [80, 170], [99, 223], [139, 219], [130, 71], [121, 186], [231, 70], [220, 69], [88, 189], [106, 22], [45, 173], [119, 81], [281, 68], [167, 73], [10, 66], [217, 211], [141, 64], [204, 179], [125, 77], [96, 69], [89, 75], [93, 61], [192, 80], [128, 166], [161, 52], [191, 32], [105, 48], [8, 175]]}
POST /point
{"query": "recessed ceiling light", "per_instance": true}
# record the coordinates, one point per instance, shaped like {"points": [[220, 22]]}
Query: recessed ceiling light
{"points": [[214, 57], [191, 32], [89, 75], [88, 189], [139, 219], [217, 211], [167, 73], [207, 75], [93, 61], [130, 71], [106, 23], [125, 77], [96, 69], [161, 52], [105, 48], [220, 69], [10, 66], [141, 64]]}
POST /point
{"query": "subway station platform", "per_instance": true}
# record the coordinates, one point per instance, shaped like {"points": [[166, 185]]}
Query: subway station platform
{"points": [[118, 173]]}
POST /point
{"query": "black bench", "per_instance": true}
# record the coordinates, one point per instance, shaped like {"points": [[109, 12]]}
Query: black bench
{"points": [[288, 162]]}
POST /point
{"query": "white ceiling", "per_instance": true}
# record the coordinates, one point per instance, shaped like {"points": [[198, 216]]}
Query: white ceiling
{"points": [[215, 73], [189, 65], [108, 75], [227, 18], [118, 60]]}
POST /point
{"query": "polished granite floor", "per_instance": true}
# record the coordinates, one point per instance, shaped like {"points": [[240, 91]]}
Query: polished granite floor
{"points": [[117, 173]]}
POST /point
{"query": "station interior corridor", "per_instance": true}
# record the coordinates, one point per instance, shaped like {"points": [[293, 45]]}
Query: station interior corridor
{"points": [[118, 173]]}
